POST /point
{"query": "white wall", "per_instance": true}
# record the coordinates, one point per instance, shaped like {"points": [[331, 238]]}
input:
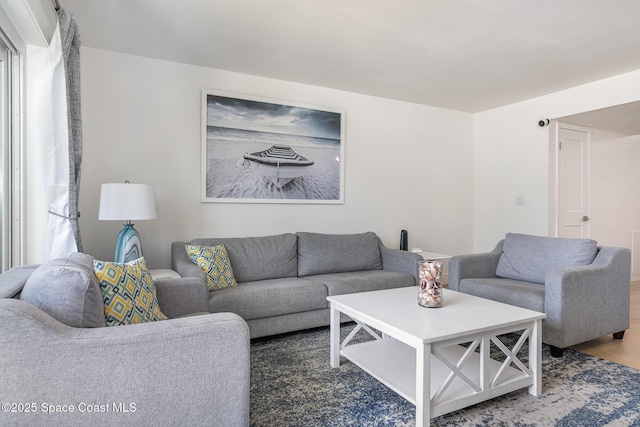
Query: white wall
{"points": [[615, 199], [511, 156], [408, 166]]}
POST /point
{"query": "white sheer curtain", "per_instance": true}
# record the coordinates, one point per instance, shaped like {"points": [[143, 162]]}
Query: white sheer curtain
{"points": [[57, 132]]}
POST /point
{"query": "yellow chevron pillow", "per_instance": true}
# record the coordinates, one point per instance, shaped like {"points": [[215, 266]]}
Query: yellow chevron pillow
{"points": [[128, 292], [214, 260]]}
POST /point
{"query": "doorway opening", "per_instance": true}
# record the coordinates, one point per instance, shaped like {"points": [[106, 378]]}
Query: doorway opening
{"points": [[613, 201]]}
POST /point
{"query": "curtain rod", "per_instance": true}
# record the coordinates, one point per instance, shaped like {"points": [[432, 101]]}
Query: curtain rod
{"points": [[56, 4]]}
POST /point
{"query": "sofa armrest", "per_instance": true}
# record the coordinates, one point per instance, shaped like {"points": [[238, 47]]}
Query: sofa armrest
{"points": [[172, 372], [181, 263], [13, 280], [180, 296], [400, 261], [481, 265], [591, 300]]}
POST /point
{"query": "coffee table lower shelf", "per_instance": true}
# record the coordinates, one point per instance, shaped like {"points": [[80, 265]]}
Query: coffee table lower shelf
{"points": [[440, 360], [393, 363]]}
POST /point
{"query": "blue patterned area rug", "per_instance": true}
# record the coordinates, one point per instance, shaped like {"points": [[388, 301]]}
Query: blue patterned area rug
{"points": [[292, 384]]}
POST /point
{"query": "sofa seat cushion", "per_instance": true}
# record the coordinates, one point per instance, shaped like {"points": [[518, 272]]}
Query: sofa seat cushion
{"points": [[337, 253], [530, 258], [363, 281], [259, 258], [266, 298], [66, 289], [514, 292]]}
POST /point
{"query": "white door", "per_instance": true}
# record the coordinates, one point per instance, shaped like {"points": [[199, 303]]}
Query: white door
{"points": [[574, 158]]}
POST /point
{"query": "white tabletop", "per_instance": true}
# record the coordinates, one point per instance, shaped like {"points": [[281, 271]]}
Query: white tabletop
{"points": [[163, 273], [397, 310], [433, 256]]}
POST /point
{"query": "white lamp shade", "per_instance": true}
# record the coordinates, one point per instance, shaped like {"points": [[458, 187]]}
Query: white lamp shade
{"points": [[126, 201]]}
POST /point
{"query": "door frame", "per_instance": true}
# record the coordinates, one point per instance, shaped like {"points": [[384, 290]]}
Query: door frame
{"points": [[554, 131]]}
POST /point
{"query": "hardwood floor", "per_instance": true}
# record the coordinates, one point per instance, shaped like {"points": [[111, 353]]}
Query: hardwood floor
{"points": [[626, 351]]}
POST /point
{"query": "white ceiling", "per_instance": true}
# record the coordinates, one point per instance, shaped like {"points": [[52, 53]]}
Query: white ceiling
{"points": [[467, 55]]}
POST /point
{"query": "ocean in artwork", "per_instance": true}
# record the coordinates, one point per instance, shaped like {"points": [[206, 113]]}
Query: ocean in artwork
{"points": [[228, 178]]}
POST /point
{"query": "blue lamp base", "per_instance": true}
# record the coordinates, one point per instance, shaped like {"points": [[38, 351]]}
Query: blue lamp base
{"points": [[128, 244]]}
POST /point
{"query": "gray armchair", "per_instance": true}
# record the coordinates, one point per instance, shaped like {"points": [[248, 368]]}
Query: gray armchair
{"points": [[583, 289], [191, 370]]}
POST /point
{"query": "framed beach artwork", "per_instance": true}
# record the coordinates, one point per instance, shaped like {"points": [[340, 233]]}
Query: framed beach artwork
{"points": [[257, 150]]}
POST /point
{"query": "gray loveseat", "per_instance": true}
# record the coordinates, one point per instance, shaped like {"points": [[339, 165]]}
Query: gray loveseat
{"points": [[284, 280], [60, 365], [583, 289]]}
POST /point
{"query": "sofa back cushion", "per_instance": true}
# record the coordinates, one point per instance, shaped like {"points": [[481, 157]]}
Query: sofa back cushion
{"points": [[67, 289], [337, 253], [259, 258], [530, 258]]}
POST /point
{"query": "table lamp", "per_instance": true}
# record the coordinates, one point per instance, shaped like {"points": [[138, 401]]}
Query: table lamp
{"points": [[127, 202]]}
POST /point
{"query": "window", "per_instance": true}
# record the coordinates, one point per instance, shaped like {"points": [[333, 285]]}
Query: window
{"points": [[10, 149]]}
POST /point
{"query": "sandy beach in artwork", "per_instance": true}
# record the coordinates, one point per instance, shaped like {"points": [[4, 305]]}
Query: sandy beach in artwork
{"points": [[227, 178]]}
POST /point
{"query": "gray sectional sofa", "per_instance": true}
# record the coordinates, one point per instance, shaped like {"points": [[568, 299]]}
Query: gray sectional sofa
{"points": [[584, 289], [284, 280], [60, 365]]}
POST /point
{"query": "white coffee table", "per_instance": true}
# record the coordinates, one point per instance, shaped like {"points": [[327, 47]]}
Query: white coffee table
{"points": [[419, 355]]}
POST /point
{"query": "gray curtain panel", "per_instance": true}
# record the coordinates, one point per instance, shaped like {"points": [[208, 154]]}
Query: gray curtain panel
{"points": [[71, 52]]}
